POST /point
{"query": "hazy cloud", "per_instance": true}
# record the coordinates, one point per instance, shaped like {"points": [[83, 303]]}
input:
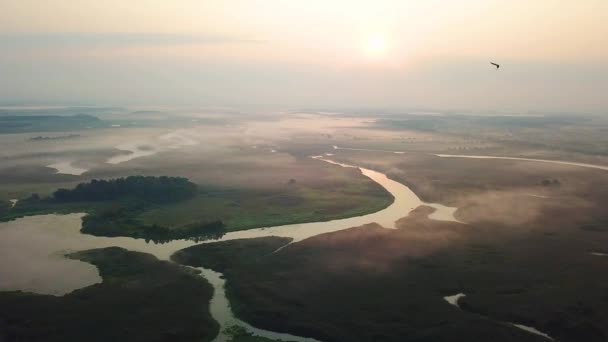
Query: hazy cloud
{"points": [[45, 40]]}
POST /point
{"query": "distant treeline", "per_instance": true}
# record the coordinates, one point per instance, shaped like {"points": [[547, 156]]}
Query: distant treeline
{"points": [[460, 123], [61, 137], [49, 123], [145, 188]]}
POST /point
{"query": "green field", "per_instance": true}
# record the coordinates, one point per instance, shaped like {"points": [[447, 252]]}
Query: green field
{"points": [[162, 214], [251, 209]]}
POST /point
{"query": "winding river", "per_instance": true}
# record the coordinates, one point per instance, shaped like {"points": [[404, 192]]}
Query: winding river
{"points": [[453, 300], [47, 238], [67, 168], [561, 162]]}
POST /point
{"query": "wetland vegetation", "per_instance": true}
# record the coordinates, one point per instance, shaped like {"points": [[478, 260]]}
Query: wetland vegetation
{"points": [[526, 254], [114, 204], [237, 190], [522, 257], [140, 299], [352, 285]]}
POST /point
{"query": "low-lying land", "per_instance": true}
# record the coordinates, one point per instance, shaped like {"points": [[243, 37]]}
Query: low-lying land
{"points": [[229, 254], [462, 182], [165, 208], [241, 209], [244, 180], [114, 204], [140, 299], [375, 284], [581, 138]]}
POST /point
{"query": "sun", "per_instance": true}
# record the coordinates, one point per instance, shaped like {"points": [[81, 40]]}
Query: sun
{"points": [[376, 46]]}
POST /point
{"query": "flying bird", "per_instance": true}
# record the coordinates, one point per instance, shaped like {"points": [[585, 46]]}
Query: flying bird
{"points": [[496, 65]]}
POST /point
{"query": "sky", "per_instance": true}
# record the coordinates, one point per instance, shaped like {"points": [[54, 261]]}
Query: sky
{"points": [[314, 53]]}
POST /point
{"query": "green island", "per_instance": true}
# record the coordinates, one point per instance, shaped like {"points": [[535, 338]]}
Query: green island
{"points": [[140, 299], [113, 204], [350, 194]]}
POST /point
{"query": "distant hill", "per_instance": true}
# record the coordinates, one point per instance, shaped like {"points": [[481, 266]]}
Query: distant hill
{"points": [[147, 112]]}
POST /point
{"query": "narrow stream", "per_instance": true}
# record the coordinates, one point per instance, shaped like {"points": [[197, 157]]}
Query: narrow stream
{"points": [[366, 149], [67, 168], [561, 162], [170, 141], [220, 310], [453, 300]]}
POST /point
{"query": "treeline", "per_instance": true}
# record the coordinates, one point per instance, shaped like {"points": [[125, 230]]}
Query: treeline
{"points": [[113, 206], [49, 123], [61, 137], [120, 221], [145, 188]]}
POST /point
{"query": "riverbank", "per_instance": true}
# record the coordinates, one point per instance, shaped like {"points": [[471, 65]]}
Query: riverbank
{"points": [[140, 299]]}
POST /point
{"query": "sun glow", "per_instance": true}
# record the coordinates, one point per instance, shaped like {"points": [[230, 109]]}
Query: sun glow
{"points": [[376, 46]]}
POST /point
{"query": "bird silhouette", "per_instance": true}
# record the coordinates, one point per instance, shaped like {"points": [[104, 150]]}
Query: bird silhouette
{"points": [[496, 65]]}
